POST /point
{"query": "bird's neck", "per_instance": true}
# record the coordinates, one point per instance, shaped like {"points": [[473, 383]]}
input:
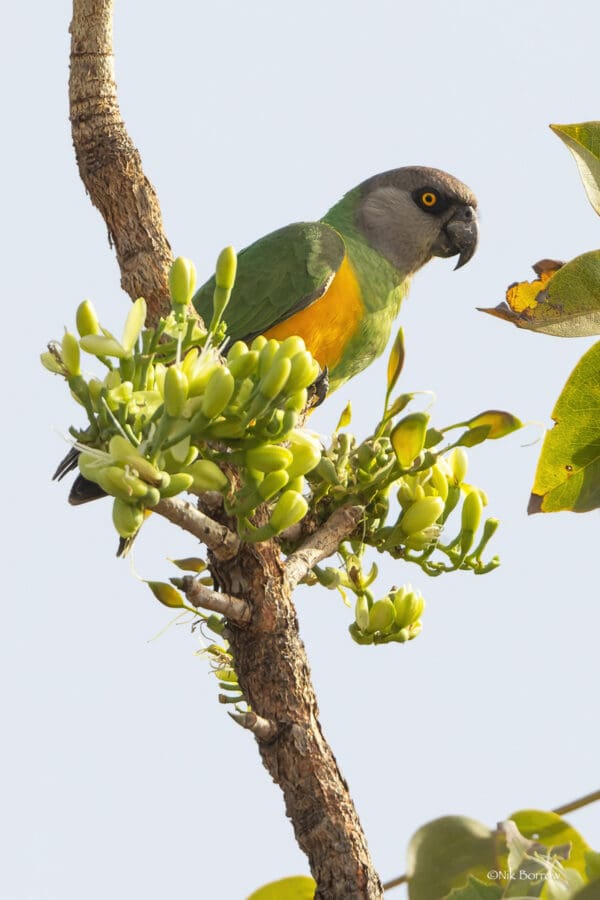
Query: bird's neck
{"points": [[378, 278]]}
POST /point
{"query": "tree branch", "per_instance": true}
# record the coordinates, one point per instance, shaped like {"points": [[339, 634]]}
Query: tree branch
{"points": [[218, 538], [237, 611], [269, 657], [322, 543], [109, 164], [261, 728]]}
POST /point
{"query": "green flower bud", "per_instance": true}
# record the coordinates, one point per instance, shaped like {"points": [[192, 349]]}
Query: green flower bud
{"points": [[471, 511], [182, 281], [289, 509], [361, 612], [189, 361], [201, 373], [70, 354], [305, 369], [90, 463], [207, 476], [122, 394], [458, 461], [306, 452], [175, 391], [127, 518], [133, 325], [218, 392], [408, 606], [421, 514], [101, 345], [243, 366], [226, 268], [237, 350], [381, 616], [266, 356], [180, 482], [439, 481], [291, 346], [258, 343], [408, 438], [296, 401], [297, 484], [119, 483], [86, 319], [272, 483], [121, 451], [326, 470], [269, 458]]}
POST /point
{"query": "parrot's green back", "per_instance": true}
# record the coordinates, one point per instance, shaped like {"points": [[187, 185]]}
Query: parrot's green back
{"points": [[287, 271], [339, 282]]}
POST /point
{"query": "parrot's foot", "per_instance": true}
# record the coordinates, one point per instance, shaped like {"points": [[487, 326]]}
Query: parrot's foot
{"points": [[318, 390]]}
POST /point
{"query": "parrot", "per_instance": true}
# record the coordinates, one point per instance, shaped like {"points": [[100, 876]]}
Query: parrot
{"points": [[338, 282]]}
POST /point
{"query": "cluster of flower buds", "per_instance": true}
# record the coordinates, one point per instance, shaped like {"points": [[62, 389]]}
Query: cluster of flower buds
{"points": [[408, 463], [395, 618], [171, 410]]}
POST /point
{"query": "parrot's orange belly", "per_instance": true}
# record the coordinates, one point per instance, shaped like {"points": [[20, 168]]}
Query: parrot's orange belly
{"points": [[328, 324]]}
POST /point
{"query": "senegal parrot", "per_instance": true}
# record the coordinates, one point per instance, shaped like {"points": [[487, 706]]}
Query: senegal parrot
{"points": [[339, 282]]}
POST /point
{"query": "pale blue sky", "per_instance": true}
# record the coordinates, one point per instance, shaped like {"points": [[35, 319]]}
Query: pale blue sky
{"points": [[121, 775]]}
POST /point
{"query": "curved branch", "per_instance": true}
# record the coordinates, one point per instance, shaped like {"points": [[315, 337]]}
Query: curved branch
{"points": [[218, 538], [269, 656], [109, 164]]}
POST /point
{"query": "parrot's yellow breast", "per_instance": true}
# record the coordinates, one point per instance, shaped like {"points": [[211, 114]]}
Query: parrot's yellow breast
{"points": [[329, 323]]}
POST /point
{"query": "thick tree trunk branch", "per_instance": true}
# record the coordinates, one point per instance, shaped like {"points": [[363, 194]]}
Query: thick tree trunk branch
{"points": [[273, 672], [199, 595], [218, 538], [322, 543], [109, 164], [269, 656]]}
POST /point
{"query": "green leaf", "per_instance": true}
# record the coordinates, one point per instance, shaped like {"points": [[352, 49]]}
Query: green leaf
{"points": [[345, 417], [300, 887], [592, 865], [589, 892], [551, 830], [134, 324], [499, 422], [166, 594], [475, 890], [444, 852], [568, 471], [189, 564], [583, 141], [395, 362], [564, 301]]}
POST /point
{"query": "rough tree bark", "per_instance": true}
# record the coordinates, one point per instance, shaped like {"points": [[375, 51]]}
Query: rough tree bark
{"points": [[269, 656]]}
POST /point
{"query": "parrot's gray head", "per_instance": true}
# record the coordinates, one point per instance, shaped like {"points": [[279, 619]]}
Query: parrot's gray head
{"points": [[414, 213]]}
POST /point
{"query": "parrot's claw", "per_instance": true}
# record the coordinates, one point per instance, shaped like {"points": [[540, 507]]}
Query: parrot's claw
{"points": [[319, 389]]}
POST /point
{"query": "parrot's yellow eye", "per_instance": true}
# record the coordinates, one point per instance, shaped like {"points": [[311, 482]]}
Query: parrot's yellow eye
{"points": [[428, 199]]}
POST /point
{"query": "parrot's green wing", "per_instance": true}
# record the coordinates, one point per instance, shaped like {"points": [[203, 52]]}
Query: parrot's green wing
{"points": [[277, 276]]}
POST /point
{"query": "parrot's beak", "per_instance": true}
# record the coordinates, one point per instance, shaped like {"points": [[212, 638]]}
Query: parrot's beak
{"points": [[459, 236]]}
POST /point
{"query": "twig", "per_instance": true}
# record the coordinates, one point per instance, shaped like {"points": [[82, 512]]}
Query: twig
{"points": [[395, 882], [577, 804], [110, 165], [218, 538], [322, 543], [235, 609], [262, 728]]}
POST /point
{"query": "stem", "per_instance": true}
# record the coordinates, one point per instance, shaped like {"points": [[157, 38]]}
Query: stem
{"points": [[577, 804]]}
